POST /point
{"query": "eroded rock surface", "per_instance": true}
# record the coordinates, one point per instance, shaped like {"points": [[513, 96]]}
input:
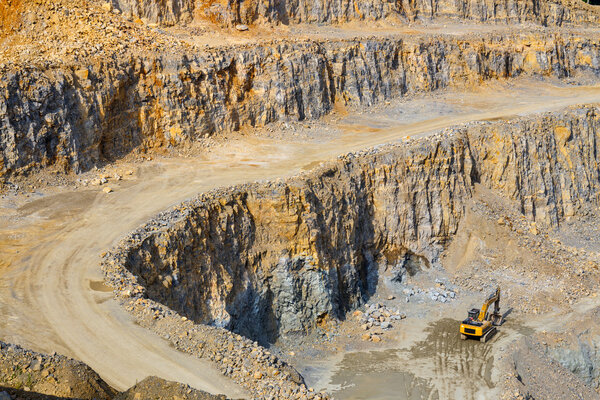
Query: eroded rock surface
{"points": [[79, 117], [531, 374], [547, 13]]}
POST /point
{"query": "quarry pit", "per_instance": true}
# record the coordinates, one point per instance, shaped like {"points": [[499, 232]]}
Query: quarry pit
{"points": [[298, 200]]}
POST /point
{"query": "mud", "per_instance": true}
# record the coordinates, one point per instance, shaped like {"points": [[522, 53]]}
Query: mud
{"points": [[438, 366]]}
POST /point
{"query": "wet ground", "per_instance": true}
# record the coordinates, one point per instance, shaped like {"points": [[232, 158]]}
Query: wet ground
{"points": [[440, 366]]}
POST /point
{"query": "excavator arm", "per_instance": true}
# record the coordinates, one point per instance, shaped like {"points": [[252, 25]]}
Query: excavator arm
{"points": [[495, 299]]}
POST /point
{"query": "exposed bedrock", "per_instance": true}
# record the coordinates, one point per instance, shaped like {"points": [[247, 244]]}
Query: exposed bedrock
{"points": [[266, 259], [81, 117], [543, 12]]}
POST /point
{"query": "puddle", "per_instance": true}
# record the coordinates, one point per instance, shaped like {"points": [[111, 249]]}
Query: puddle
{"points": [[501, 118], [440, 366], [99, 286]]}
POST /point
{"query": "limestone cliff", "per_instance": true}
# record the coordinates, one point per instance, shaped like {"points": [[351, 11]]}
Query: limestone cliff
{"points": [[265, 259], [83, 115], [169, 12], [546, 13]]}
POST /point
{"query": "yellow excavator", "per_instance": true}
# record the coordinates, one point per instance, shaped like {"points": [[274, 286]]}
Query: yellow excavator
{"points": [[481, 324]]}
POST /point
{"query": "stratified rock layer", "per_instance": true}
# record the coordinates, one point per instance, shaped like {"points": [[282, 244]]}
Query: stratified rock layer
{"points": [[81, 117], [547, 13], [265, 259]]}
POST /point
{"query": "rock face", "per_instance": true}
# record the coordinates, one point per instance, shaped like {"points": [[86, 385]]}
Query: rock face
{"points": [[49, 375], [169, 12], [81, 117], [547, 13], [265, 259]]}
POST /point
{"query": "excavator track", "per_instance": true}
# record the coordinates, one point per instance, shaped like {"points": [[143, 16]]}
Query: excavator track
{"points": [[488, 335]]}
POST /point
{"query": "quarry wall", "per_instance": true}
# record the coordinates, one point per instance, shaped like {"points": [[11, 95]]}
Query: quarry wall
{"points": [[270, 258], [79, 118], [227, 13]]}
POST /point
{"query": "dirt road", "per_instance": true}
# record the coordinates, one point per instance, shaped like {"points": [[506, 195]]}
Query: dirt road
{"points": [[51, 298]]}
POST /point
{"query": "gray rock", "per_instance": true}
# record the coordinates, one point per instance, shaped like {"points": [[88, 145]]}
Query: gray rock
{"points": [[37, 120], [553, 13], [36, 365]]}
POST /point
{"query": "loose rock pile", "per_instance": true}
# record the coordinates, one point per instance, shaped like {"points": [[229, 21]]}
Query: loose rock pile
{"points": [[375, 319], [25, 374], [54, 375], [439, 294], [156, 388]]}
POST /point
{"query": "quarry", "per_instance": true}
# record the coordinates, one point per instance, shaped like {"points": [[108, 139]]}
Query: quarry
{"points": [[299, 199]]}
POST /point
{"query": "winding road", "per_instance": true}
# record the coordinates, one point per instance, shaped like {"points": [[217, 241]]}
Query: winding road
{"points": [[51, 295]]}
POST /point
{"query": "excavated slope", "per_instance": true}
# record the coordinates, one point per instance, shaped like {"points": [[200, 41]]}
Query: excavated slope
{"points": [[82, 116], [547, 13], [269, 258]]}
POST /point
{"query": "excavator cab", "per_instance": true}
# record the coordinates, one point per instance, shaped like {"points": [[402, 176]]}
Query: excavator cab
{"points": [[479, 323], [473, 313]]}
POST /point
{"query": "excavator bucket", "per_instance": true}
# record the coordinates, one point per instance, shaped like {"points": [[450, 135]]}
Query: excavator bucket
{"points": [[496, 319]]}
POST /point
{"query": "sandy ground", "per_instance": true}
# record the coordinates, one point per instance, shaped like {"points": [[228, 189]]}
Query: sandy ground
{"points": [[51, 295], [204, 34]]}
